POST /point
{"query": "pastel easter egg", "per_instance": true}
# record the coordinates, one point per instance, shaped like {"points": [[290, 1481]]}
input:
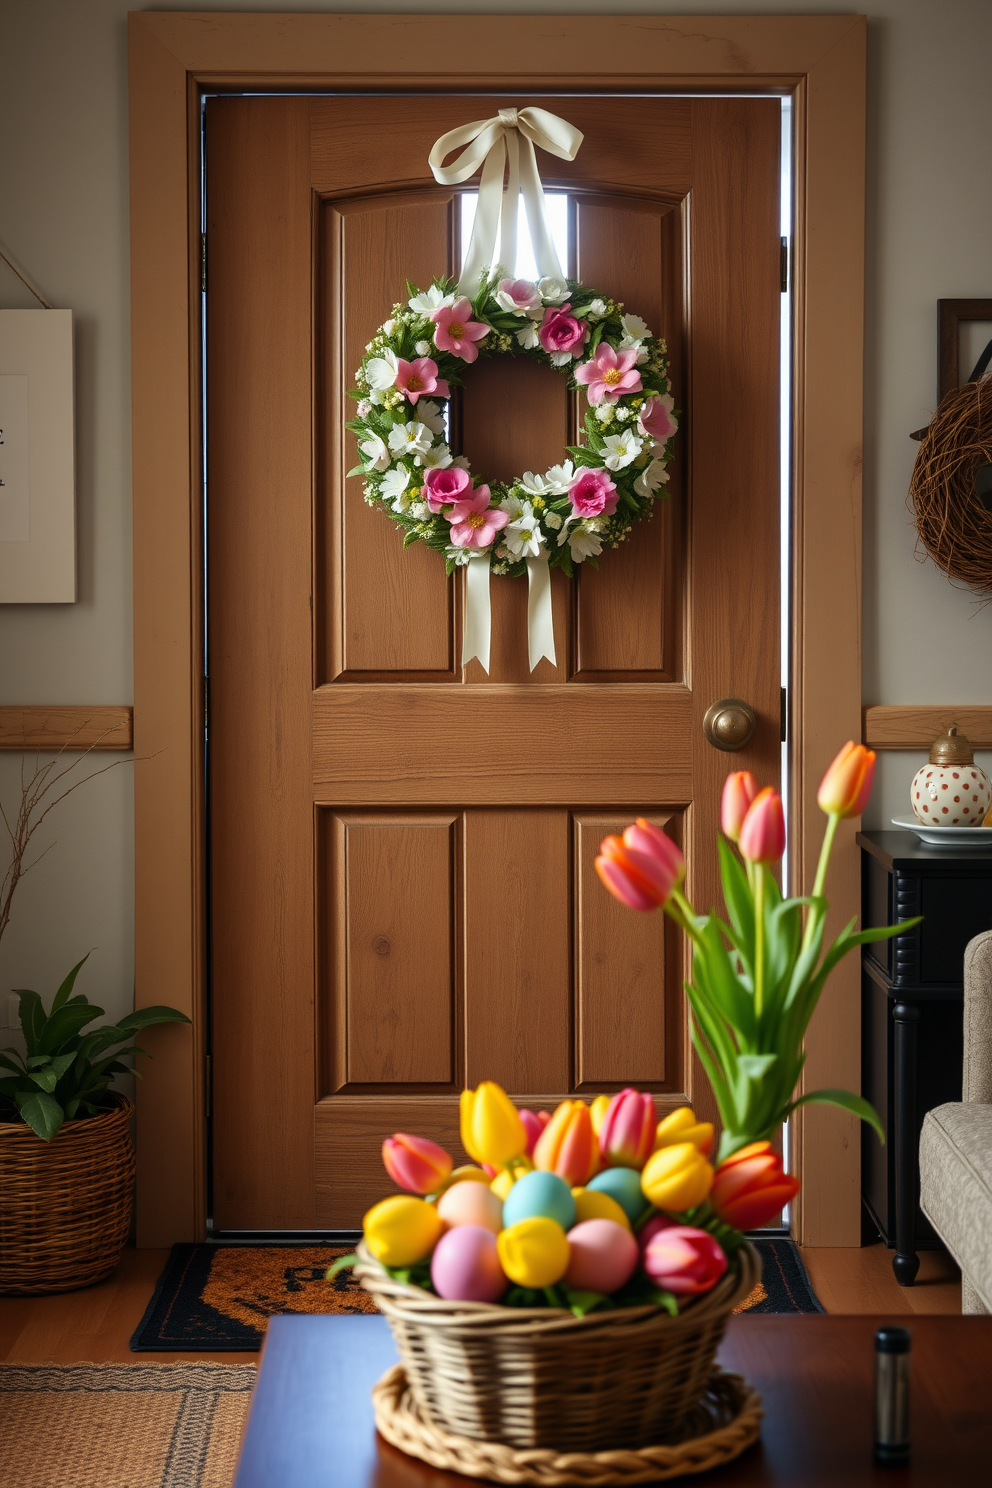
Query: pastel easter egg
{"points": [[471, 1204], [590, 1203], [465, 1265], [540, 1195], [533, 1252], [603, 1255], [623, 1185]]}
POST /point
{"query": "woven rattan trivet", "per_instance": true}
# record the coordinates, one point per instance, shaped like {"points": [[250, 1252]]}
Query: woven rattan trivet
{"points": [[726, 1421]]}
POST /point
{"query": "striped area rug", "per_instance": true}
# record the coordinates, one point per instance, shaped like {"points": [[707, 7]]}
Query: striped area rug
{"points": [[122, 1425]]}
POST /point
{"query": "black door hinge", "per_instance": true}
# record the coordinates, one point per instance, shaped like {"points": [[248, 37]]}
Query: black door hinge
{"points": [[203, 262], [783, 715], [783, 263]]}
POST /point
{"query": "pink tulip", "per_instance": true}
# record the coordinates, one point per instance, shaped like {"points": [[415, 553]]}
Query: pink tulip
{"points": [[592, 493], [534, 1124], [626, 1138], [560, 331], [642, 868], [442, 487], [762, 837], [456, 331], [420, 376], [656, 420], [415, 1163], [845, 788], [739, 790], [609, 374], [474, 523], [684, 1260], [654, 1226]]}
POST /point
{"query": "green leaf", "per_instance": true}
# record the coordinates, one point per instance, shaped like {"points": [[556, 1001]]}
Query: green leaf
{"points": [[146, 1017], [6, 1063], [65, 1026], [42, 1114], [356, 470], [737, 898], [32, 1016], [856, 1104], [44, 1079], [62, 995], [343, 1263], [582, 1302]]}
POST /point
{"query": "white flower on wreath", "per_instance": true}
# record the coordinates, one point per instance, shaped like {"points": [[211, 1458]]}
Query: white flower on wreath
{"points": [[559, 478], [462, 462], [528, 337], [534, 485], [650, 478], [582, 541], [423, 348], [364, 407], [430, 300], [561, 358], [523, 537], [393, 484], [554, 291], [413, 438], [519, 297], [429, 413], [624, 415], [377, 456], [596, 310], [513, 505], [552, 520], [634, 327], [460, 556], [604, 412], [420, 510], [380, 371], [388, 327], [620, 449], [438, 457]]}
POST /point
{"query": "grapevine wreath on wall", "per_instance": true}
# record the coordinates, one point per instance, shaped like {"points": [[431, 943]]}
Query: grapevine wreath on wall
{"points": [[556, 518]]}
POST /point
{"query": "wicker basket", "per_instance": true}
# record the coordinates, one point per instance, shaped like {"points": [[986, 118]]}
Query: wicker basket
{"points": [[65, 1205], [543, 1378]]}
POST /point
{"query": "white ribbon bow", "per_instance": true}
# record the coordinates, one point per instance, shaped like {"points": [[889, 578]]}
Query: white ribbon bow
{"points": [[492, 143]]}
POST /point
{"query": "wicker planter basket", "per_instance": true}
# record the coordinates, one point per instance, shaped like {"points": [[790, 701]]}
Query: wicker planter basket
{"points": [[65, 1205], [543, 1378]]}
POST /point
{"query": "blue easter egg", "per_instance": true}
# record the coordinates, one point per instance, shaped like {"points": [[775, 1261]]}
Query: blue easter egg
{"points": [[623, 1185], [539, 1195]]}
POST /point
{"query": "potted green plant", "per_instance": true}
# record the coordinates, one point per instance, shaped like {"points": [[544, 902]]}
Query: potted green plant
{"points": [[66, 1156]]}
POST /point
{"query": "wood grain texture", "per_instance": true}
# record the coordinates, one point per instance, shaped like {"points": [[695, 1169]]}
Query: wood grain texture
{"points": [[442, 742], [259, 572], [915, 726], [77, 727]]}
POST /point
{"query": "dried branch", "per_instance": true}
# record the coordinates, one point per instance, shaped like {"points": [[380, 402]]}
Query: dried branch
{"points": [[952, 521]]}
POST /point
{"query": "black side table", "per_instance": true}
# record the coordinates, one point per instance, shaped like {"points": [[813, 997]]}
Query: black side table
{"points": [[912, 998]]}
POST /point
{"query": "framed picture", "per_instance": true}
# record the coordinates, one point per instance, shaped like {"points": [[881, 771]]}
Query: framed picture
{"points": [[37, 458], [951, 315]]}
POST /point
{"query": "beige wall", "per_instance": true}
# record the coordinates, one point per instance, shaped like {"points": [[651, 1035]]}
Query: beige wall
{"points": [[63, 215]]}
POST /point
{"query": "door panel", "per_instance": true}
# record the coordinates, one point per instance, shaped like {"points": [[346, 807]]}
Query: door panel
{"points": [[403, 893]]}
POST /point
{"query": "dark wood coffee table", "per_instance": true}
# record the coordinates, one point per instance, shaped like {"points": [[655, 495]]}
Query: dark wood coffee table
{"points": [[311, 1423]]}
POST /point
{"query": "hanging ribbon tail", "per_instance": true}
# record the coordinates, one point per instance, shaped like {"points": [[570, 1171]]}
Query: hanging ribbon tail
{"points": [[478, 626], [540, 617]]}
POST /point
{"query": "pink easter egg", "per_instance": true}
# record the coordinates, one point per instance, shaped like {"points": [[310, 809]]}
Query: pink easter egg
{"points": [[603, 1255], [465, 1265], [471, 1204]]}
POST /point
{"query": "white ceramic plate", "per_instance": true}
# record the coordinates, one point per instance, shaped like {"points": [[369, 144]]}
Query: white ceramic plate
{"points": [[957, 837]]}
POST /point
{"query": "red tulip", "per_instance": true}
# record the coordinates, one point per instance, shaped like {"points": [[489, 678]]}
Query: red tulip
{"points": [[626, 1137], [567, 1145], [750, 1187], [642, 868], [845, 788], [684, 1260], [534, 1123], [415, 1163], [762, 837], [739, 790]]}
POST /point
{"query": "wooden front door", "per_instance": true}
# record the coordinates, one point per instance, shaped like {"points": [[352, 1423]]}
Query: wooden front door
{"points": [[403, 898]]}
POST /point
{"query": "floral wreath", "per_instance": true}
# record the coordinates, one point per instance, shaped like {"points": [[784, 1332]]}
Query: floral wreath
{"points": [[566, 515]]}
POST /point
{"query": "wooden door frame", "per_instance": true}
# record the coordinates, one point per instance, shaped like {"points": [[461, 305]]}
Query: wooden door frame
{"points": [[173, 58]]}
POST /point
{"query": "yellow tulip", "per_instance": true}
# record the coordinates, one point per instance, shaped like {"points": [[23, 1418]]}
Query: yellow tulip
{"points": [[534, 1252], [463, 1174], [502, 1183], [402, 1230], [682, 1126], [598, 1111], [591, 1204], [492, 1131], [676, 1178]]}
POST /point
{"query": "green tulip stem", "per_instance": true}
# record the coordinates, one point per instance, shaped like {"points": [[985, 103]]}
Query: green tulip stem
{"points": [[759, 936], [678, 908], [825, 850]]}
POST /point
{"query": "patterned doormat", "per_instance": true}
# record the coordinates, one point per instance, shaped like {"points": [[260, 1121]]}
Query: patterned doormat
{"points": [[220, 1297], [122, 1425]]}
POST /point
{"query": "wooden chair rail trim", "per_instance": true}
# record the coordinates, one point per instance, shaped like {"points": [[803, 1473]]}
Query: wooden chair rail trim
{"points": [[915, 726], [77, 727]]}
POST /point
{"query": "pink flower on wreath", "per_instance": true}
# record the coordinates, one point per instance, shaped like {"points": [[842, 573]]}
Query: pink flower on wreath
{"points": [[609, 374], [456, 331], [592, 493], [441, 487], [474, 523], [560, 331], [655, 418], [419, 376]]}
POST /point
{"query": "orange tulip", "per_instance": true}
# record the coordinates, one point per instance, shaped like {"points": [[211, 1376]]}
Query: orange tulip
{"points": [[762, 836], [567, 1145], [642, 868], [845, 788], [739, 790], [750, 1187]]}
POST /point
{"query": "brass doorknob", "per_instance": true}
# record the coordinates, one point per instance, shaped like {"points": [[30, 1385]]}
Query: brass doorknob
{"points": [[729, 724]]}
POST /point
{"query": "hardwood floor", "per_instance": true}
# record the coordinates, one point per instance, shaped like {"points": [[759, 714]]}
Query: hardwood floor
{"points": [[95, 1325]]}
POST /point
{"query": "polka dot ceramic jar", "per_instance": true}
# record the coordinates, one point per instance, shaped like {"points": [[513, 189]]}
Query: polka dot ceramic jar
{"points": [[951, 790]]}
